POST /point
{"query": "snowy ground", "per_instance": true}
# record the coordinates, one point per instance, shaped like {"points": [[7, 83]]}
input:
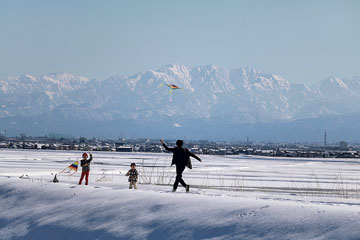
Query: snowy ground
{"points": [[232, 197]]}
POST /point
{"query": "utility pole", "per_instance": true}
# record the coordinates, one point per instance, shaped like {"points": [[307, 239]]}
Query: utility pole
{"points": [[325, 140]]}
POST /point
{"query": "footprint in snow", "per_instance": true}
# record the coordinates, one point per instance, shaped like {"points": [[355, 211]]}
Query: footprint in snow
{"points": [[320, 211], [251, 213]]}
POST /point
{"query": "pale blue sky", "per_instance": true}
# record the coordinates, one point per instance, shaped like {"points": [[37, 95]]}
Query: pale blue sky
{"points": [[304, 41]]}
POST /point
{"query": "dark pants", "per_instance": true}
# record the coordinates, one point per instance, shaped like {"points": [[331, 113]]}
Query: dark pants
{"points": [[179, 170], [86, 175]]}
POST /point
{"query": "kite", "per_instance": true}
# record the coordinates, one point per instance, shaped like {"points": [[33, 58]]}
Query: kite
{"points": [[71, 169], [172, 86]]}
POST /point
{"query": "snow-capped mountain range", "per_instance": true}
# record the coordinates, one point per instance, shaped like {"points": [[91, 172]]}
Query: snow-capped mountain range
{"points": [[211, 98]]}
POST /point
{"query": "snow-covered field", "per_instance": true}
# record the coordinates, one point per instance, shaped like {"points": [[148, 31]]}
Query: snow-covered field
{"points": [[231, 197]]}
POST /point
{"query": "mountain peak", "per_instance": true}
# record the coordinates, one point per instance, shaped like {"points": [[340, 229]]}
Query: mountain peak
{"points": [[212, 67], [333, 81], [176, 72], [30, 76], [175, 67]]}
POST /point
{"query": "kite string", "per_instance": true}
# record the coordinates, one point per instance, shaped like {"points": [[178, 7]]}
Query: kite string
{"points": [[72, 167]]}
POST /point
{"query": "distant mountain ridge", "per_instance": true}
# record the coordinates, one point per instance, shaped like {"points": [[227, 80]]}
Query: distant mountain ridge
{"points": [[216, 97]]}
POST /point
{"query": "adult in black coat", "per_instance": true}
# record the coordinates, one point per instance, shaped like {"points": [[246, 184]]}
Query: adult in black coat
{"points": [[181, 158]]}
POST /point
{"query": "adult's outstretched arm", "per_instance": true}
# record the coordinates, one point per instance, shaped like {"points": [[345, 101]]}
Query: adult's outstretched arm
{"points": [[166, 147], [194, 156]]}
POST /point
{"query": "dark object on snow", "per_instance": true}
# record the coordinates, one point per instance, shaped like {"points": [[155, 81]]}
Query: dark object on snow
{"points": [[181, 158], [55, 180], [181, 155]]}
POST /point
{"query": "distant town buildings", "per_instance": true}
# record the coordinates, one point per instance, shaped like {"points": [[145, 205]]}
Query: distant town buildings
{"points": [[340, 150]]}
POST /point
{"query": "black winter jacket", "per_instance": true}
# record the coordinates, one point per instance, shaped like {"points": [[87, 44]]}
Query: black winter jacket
{"points": [[181, 156]]}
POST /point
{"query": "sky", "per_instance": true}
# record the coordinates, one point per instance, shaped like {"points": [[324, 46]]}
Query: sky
{"points": [[303, 41]]}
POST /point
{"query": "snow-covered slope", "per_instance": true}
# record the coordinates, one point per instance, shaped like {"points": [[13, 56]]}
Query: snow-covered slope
{"points": [[335, 96], [31, 96], [231, 198]]}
